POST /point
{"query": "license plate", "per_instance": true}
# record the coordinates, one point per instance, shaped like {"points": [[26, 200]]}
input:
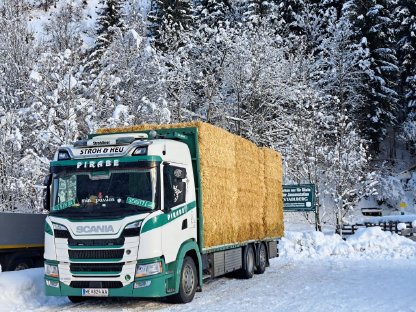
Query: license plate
{"points": [[95, 292]]}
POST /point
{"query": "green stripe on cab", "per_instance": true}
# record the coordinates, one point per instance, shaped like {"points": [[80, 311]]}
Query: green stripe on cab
{"points": [[165, 218]]}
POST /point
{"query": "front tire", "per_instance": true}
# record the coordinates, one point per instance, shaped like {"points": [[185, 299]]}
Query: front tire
{"points": [[21, 264], [188, 282]]}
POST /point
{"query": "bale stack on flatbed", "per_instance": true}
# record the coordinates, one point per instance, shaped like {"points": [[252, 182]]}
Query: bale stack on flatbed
{"points": [[241, 185]]}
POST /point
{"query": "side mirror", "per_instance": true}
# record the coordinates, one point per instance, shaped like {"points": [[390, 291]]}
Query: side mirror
{"points": [[47, 192], [173, 186]]}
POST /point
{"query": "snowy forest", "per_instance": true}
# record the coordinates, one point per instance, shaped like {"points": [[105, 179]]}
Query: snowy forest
{"points": [[331, 84]]}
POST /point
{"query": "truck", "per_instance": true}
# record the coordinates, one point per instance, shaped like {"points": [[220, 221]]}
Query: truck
{"points": [[21, 240], [153, 210]]}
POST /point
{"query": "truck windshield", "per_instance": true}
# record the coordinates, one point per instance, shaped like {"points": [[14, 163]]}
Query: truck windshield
{"points": [[104, 192]]}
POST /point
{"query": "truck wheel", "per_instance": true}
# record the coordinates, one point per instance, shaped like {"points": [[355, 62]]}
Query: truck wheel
{"points": [[20, 264], [262, 254], [77, 299], [188, 282], [248, 263]]}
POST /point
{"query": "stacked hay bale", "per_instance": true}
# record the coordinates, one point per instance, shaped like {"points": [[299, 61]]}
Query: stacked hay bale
{"points": [[241, 185], [273, 176]]}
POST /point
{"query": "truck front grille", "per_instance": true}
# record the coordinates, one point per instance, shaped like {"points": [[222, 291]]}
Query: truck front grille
{"points": [[96, 254], [96, 267], [93, 284], [96, 242]]}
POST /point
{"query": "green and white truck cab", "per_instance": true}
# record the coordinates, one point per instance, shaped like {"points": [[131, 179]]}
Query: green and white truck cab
{"points": [[124, 219]]}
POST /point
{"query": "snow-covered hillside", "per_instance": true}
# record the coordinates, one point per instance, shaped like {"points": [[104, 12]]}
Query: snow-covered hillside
{"points": [[371, 271]]}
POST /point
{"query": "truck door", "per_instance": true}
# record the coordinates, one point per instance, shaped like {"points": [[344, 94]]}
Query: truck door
{"points": [[178, 213]]}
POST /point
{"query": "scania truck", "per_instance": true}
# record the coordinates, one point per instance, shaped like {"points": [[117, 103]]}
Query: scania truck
{"points": [[152, 211]]}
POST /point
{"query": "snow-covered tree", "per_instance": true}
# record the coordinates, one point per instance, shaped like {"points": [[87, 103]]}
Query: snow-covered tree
{"points": [[287, 17], [255, 11], [58, 106], [405, 22], [17, 55], [213, 14], [109, 22], [373, 27], [130, 88], [63, 29], [168, 20], [338, 68]]}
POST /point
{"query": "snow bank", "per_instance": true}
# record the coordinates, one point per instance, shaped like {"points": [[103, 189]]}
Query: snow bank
{"points": [[371, 243], [23, 290]]}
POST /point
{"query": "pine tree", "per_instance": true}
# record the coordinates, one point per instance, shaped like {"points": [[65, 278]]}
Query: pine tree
{"points": [[255, 11], [168, 20], [336, 4], [287, 16], [373, 29], [109, 22], [405, 22], [213, 14]]}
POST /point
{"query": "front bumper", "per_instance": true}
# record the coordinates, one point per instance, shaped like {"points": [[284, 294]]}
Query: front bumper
{"points": [[149, 287]]}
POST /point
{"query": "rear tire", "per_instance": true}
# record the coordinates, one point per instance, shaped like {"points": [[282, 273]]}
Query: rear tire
{"points": [[262, 260], [188, 282], [248, 263]]}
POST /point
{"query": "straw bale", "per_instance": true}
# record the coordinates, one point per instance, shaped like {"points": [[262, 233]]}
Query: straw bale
{"points": [[241, 185], [219, 210], [273, 216], [250, 181]]}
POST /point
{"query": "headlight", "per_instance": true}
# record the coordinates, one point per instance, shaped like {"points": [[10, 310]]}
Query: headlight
{"points": [[59, 227], [60, 231], [134, 225], [132, 229], [51, 270], [149, 269], [140, 151]]}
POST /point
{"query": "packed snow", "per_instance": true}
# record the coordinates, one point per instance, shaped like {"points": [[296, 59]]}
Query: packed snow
{"points": [[371, 270], [23, 290]]}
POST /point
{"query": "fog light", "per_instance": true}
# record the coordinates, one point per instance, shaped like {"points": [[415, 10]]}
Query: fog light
{"points": [[142, 284], [52, 283]]}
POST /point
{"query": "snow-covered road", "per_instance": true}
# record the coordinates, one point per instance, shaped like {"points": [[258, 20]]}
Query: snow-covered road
{"points": [[307, 285], [373, 271]]}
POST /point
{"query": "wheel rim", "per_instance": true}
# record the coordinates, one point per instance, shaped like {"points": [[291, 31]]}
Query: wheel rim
{"points": [[188, 279]]}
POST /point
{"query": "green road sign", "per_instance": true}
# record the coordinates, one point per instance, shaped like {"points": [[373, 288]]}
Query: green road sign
{"points": [[300, 197]]}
